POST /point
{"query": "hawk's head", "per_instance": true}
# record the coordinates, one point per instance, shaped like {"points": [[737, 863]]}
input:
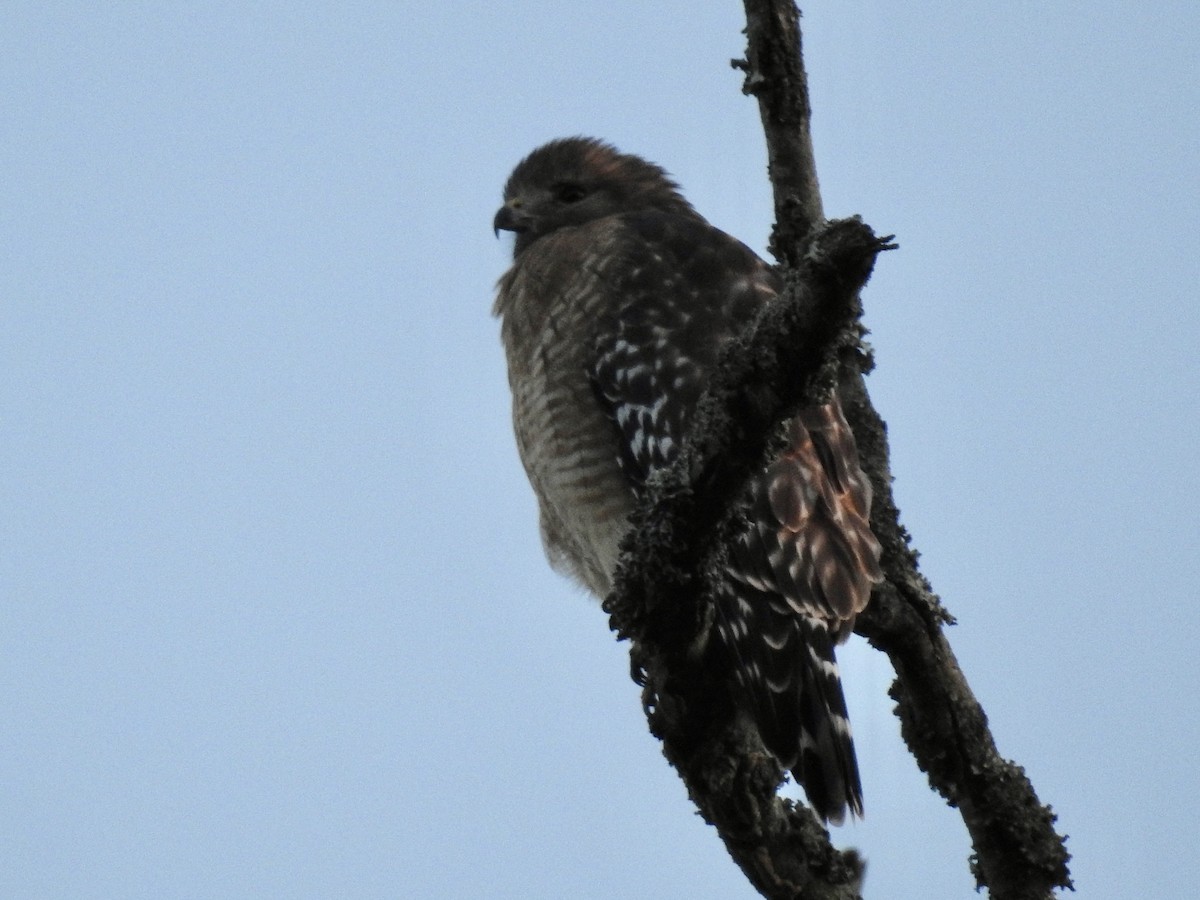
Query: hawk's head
{"points": [[576, 180]]}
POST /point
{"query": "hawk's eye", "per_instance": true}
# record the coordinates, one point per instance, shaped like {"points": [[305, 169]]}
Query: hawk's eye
{"points": [[568, 192]]}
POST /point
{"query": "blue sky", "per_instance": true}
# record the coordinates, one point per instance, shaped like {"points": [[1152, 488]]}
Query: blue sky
{"points": [[274, 620]]}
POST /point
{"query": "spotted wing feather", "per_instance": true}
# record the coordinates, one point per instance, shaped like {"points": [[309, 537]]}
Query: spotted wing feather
{"points": [[804, 566]]}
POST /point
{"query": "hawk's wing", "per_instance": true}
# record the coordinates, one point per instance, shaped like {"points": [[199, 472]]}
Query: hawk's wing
{"points": [[804, 565], [684, 289]]}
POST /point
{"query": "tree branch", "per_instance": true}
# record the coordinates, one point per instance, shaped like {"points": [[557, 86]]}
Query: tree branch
{"points": [[802, 344], [775, 76], [1018, 854]]}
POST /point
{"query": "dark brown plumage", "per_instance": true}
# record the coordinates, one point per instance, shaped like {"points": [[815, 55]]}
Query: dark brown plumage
{"points": [[617, 304]]}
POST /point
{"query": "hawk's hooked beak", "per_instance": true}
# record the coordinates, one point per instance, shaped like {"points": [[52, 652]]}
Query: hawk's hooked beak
{"points": [[510, 218]]}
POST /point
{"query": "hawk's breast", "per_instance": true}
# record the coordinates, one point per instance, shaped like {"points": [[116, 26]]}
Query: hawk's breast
{"points": [[553, 302]]}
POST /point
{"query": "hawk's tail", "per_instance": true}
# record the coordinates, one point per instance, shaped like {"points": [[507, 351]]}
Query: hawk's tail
{"points": [[789, 676]]}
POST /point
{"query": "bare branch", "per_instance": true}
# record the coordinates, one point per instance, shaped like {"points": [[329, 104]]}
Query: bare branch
{"points": [[774, 67], [1018, 854], [801, 345]]}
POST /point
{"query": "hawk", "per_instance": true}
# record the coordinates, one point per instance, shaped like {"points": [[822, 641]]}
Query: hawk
{"points": [[618, 302]]}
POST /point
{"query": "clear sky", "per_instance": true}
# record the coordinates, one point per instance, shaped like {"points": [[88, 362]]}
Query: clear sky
{"points": [[274, 619]]}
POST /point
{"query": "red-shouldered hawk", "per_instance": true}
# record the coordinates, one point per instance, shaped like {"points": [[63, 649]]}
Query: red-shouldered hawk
{"points": [[619, 299]]}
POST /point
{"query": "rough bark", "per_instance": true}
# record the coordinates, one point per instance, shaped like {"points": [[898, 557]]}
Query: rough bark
{"points": [[791, 356]]}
